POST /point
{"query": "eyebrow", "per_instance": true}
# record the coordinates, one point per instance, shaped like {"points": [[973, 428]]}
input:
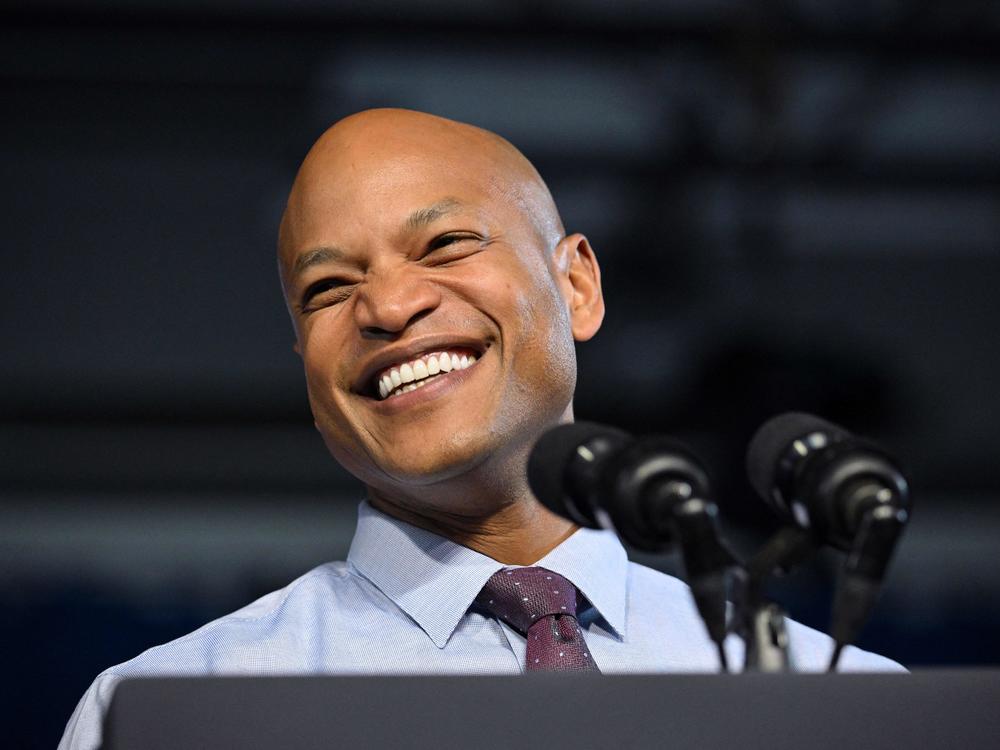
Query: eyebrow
{"points": [[317, 256], [424, 216], [419, 218]]}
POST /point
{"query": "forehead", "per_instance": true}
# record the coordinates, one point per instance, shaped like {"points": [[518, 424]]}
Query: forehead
{"points": [[386, 188], [374, 183]]}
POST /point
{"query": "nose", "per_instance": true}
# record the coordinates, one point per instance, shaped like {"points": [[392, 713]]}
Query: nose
{"points": [[393, 299]]}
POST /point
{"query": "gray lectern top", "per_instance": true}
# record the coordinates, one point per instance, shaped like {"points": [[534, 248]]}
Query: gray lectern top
{"points": [[922, 711]]}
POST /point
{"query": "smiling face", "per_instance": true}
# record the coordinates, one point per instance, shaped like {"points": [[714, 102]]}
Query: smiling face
{"points": [[434, 298]]}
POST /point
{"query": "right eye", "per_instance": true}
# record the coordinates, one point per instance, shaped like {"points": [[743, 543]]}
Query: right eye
{"points": [[326, 292]]}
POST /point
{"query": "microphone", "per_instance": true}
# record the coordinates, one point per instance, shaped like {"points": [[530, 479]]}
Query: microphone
{"points": [[565, 470], [651, 491], [821, 477], [846, 492]]}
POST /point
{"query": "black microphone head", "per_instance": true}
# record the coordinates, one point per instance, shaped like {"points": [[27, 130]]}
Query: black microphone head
{"points": [[770, 444], [551, 458], [821, 477]]}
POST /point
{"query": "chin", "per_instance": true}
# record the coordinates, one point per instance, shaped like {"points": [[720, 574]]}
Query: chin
{"points": [[431, 464], [489, 446]]}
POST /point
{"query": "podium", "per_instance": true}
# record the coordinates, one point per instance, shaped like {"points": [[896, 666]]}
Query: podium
{"points": [[923, 710]]}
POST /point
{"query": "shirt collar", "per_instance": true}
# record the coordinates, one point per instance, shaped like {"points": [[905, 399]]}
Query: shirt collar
{"points": [[595, 562], [435, 581]]}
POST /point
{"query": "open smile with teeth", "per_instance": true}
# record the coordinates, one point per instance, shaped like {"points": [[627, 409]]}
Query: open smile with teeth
{"points": [[416, 373]]}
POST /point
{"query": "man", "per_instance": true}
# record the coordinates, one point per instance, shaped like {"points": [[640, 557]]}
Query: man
{"points": [[436, 300]]}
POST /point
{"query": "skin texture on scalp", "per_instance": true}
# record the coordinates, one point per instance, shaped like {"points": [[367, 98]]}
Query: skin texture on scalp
{"points": [[406, 232]]}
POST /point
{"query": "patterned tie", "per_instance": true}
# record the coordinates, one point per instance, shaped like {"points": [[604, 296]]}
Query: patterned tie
{"points": [[541, 605]]}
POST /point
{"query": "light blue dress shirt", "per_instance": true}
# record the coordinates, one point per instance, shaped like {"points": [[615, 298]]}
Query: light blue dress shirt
{"points": [[400, 605]]}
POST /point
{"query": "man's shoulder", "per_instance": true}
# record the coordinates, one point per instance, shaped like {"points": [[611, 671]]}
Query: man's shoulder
{"points": [[248, 640], [264, 637], [664, 603]]}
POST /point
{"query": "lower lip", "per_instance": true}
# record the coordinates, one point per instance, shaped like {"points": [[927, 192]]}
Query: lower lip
{"points": [[439, 386]]}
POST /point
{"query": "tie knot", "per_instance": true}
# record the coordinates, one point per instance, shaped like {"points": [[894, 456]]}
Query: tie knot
{"points": [[522, 596]]}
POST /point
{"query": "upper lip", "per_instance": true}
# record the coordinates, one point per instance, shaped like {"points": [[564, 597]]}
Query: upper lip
{"points": [[364, 383]]}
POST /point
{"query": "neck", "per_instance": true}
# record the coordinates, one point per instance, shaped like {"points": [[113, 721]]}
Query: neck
{"points": [[515, 533]]}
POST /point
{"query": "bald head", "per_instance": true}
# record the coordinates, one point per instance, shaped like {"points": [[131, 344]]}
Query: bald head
{"points": [[377, 141]]}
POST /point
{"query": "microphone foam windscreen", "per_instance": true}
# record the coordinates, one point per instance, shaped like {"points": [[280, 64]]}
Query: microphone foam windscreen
{"points": [[552, 454], [771, 441]]}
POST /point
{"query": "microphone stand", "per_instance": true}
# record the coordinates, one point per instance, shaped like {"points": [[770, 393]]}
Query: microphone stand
{"points": [[761, 623], [677, 510], [861, 581]]}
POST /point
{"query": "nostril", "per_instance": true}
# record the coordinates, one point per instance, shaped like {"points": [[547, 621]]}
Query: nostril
{"points": [[378, 334], [383, 309]]}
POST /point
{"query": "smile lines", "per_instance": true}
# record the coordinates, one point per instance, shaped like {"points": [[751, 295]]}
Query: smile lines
{"points": [[411, 375]]}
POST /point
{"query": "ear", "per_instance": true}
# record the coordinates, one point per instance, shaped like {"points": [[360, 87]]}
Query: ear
{"points": [[579, 278], [296, 348]]}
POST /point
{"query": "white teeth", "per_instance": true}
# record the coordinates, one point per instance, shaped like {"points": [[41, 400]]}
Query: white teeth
{"points": [[410, 387], [412, 375]]}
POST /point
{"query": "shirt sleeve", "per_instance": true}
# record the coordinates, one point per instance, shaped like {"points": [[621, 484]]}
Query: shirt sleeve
{"points": [[83, 731]]}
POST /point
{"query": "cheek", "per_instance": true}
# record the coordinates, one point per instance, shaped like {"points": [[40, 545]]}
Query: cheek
{"points": [[543, 318], [333, 419], [323, 357], [540, 343], [323, 347]]}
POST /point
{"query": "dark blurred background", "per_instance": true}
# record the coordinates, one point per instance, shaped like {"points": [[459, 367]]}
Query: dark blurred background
{"points": [[795, 203]]}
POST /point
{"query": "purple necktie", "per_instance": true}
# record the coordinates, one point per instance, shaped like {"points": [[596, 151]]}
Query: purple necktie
{"points": [[541, 605]]}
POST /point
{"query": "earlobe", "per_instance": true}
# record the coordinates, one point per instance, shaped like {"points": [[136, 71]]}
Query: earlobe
{"points": [[581, 276], [296, 348]]}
